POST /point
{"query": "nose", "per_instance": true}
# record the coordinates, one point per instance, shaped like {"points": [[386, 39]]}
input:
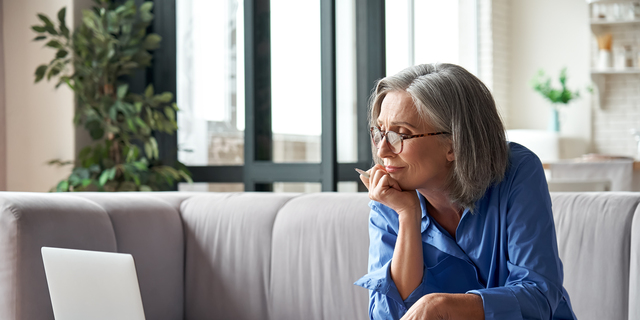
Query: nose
{"points": [[385, 151]]}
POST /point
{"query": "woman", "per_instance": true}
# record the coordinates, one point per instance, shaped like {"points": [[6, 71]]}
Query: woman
{"points": [[461, 224]]}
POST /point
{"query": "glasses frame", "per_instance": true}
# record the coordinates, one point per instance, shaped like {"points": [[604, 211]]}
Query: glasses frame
{"points": [[402, 137]]}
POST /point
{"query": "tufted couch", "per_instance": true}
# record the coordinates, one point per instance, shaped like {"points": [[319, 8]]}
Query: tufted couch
{"points": [[277, 256]]}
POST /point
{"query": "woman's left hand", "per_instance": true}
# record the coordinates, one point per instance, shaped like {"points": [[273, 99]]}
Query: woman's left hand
{"points": [[437, 306]]}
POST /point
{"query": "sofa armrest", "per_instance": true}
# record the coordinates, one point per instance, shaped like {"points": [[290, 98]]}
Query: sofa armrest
{"points": [[634, 268]]}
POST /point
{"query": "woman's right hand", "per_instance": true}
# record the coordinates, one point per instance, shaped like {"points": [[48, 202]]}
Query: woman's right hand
{"points": [[386, 190]]}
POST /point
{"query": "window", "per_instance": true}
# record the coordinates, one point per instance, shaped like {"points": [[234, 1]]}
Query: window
{"points": [[273, 93], [210, 82], [427, 31]]}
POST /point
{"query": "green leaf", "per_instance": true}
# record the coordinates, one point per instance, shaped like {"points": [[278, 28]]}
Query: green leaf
{"points": [[38, 29], [61, 54], [86, 182], [112, 173], [132, 126], [40, 71], [146, 6], [185, 176], [53, 71], [140, 165], [45, 19], [38, 38], [63, 186], [136, 179], [113, 111], [145, 188], [148, 92], [54, 44], [94, 168], [95, 129], [84, 152], [74, 180], [168, 111], [52, 31], [122, 90], [88, 19], [148, 150], [154, 146], [152, 42], [140, 122], [145, 11], [146, 16], [165, 97], [61, 18], [143, 58], [103, 177]]}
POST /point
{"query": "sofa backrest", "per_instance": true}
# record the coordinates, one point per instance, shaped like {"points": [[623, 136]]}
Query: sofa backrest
{"points": [[595, 243], [228, 238], [320, 248]]}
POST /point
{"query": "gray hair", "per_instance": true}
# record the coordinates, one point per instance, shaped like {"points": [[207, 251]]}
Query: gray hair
{"points": [[451, 99]]}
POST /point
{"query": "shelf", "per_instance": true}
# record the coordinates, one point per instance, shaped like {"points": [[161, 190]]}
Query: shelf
{"points": [[616, 71], [613, 22], [636, 165]]}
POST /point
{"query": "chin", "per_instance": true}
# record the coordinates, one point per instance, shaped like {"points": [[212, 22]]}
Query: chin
{"points": [[406, 186]]}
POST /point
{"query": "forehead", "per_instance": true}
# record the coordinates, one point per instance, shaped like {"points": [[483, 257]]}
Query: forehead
{"points": [[398, 106]]}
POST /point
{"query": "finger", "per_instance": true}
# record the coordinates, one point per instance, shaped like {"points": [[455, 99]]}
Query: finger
{"points": [[374, 177], [391, 182], [374, 183], [365, 181], [384, 188], [377, 175]]}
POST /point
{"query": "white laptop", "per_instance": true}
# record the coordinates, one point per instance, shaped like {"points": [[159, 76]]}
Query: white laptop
{"points": [[92, 285]]}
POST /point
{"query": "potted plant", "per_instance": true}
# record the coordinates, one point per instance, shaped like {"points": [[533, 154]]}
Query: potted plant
{"points": [[111, 43], [557, 96]]}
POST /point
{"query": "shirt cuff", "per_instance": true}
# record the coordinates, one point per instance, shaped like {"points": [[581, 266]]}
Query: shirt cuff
{"points": [[499, 303], [380, 281]]}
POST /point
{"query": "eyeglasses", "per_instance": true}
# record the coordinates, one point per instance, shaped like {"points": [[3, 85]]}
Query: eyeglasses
{"points": [[394, 139]]}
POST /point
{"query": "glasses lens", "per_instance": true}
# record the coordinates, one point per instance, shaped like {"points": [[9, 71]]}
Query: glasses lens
{"points": [[395, 141], [376, 136]]}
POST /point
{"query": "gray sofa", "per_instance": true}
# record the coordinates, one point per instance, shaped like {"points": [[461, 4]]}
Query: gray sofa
{"points": [[277, 256]]}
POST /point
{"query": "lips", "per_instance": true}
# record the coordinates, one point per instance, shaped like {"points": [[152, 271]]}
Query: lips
{"points": [[392, 169]]}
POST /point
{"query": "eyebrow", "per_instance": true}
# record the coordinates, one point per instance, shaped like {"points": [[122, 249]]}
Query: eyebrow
{"points": [[401, 123]]}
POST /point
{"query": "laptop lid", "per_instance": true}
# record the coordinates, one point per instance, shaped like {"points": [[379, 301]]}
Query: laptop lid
{"points": [[92, 285]]}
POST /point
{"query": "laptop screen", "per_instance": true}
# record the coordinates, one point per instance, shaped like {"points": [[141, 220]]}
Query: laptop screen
{"points": [[92, 285]]}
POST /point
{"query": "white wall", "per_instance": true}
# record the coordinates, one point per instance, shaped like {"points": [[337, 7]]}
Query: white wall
{"points": [[38, 117], [548, 34]]}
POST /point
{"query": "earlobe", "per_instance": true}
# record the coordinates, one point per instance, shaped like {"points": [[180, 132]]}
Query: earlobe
{"points": [[450, 155]]}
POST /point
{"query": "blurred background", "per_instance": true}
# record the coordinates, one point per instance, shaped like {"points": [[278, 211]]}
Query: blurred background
{"points": [[273, 94]]}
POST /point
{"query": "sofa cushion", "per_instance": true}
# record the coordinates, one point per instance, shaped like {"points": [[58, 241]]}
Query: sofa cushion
{"points": [[29, 221], [228, 254], [320, 248], [594, 238], [150, 229]]}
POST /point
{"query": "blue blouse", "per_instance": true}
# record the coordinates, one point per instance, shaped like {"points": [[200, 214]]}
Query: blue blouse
{"points": [[506, 251]]}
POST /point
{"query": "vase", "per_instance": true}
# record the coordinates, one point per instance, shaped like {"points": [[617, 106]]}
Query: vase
{"points": [[554, 120]]}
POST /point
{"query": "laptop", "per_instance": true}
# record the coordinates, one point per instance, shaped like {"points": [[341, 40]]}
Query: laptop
{"points": [[92, 285]]}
